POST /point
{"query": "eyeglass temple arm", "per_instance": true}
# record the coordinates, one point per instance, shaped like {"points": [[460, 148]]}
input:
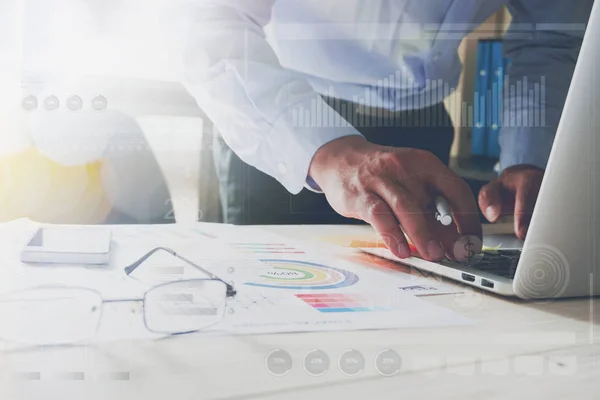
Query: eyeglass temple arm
{"points": [[129, 269], [132, 267], [230, 289]]}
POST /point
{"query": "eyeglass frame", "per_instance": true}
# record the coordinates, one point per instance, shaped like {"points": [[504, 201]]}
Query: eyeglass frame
{"points": [[230, 290], [229, 294]]}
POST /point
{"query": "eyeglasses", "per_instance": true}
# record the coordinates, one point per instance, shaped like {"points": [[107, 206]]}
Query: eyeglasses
{"points": [[56, 315]]}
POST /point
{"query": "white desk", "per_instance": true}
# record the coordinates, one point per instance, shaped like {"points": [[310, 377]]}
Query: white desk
{"points": [[516, 350]]}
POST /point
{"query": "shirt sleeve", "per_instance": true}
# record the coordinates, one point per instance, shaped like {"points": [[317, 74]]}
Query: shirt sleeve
{"points": [[542, 46], [236, 78]]}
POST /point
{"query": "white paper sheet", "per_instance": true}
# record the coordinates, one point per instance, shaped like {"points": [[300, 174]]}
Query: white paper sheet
{"points": [[282, 286]]}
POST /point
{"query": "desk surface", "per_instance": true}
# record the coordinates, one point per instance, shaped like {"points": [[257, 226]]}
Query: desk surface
{"points": [[515, 350]]}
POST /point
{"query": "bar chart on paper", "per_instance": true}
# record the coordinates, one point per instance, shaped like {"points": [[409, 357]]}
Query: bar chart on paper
{"points": [[339, 303], [263, 310], [265, 248]]}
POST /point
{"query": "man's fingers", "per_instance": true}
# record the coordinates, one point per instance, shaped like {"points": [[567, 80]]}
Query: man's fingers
{"points": [[413, 220], [525, 197], [447, 236], [490, 200], [379, 215]]}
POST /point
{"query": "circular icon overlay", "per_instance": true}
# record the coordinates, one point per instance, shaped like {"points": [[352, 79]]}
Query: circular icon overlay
{"points": [[388, 362], [99, 103], [547, 277], [51, 103], [74, 103], [30, 103], [316, 363], [467, 249], [351, 363], [278, 362]]}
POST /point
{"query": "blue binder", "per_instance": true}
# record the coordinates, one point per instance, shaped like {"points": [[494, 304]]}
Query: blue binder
{"points": [[487, 105]]}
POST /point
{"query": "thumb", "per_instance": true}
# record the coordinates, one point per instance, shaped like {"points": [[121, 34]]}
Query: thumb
{"points": [[490, 200]]}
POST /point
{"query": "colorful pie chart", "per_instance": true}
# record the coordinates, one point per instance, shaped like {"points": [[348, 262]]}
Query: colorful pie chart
{"points": [[302, 275]]}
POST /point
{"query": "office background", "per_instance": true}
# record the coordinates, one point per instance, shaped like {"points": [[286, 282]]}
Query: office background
{"points": [[97, 129]]}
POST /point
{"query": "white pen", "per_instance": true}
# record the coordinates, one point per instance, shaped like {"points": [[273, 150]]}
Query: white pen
{"points": [[443, 213]]}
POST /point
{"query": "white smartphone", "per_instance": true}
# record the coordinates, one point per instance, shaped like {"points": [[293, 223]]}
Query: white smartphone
{"points": [[68, 245]]}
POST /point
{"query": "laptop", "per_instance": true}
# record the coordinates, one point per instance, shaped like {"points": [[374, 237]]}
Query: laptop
{"points": [[561, 253]]}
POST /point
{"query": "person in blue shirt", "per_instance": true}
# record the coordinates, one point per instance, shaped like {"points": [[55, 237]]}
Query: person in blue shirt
{"points": [[344, 98]]}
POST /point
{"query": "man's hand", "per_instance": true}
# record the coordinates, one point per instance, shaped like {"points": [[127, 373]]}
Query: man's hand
{"points": [[392, 188], [514, 193]]}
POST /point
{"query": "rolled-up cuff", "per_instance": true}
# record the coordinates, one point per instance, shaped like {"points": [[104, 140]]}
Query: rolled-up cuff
{"points": [[311, 185], [525, 146], [293, 146]]}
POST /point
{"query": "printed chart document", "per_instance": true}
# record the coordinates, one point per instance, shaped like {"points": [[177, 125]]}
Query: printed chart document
{"points": [[285, 287], [281, 286]]}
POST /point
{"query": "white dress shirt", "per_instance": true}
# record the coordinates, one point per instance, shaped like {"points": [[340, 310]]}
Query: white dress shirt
{"points": [[258, 68]]}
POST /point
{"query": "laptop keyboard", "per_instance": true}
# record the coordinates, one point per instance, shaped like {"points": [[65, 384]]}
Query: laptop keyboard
{"points": [[501, 262]]}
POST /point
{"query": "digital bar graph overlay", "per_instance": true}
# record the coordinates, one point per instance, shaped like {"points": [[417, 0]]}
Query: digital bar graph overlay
{"points": [[514, 103]]}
